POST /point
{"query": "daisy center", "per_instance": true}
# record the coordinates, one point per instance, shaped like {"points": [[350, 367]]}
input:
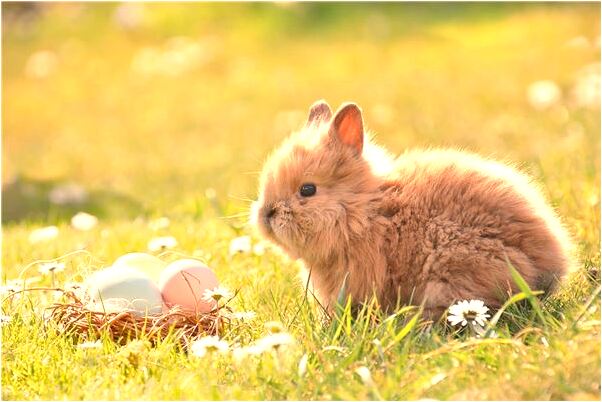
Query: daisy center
{"points": [[470, 315]]}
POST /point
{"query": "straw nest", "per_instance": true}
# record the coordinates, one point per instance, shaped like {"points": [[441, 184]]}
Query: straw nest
{"points": [[75, 316]]}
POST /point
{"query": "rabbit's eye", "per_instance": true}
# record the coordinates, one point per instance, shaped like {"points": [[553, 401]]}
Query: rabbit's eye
{"points": [[307, 190]]}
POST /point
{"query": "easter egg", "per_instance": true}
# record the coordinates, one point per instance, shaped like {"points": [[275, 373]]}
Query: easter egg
{"points": [[183, 283], [126, 287], [146, 263]]}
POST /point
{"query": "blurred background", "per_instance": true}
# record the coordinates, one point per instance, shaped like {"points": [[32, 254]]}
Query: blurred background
{"points": [[133, 109]]}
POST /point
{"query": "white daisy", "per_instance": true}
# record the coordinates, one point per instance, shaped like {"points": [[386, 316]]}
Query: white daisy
{"points": [[586, 92], [162, 243], [276, 341], [464, 312], [51, 267], [217, 294], [302, 367], [240, 245], [243, 315], [90, 345], [84, 221], [41, 64], [11, 287], [543, 94], [208, 344], [43, 234], [364, 373], [5, 319]]}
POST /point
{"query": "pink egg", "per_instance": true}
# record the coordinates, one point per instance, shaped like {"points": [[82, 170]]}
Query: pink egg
{"points": [[183, 283]]}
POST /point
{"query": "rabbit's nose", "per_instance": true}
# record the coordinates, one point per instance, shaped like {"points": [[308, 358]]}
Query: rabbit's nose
{"points": [[269, 212]]}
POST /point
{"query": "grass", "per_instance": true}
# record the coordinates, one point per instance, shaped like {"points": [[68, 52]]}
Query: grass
{"points": [[145, 144]]}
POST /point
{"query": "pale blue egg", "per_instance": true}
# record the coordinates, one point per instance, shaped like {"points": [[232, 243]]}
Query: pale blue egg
{"points": [[128, 285]]}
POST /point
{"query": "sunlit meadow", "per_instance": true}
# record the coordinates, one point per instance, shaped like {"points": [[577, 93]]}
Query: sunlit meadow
{"points": [[142, 127]]}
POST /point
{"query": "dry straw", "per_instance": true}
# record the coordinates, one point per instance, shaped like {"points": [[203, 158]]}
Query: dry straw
{"points": [[74, 317]]}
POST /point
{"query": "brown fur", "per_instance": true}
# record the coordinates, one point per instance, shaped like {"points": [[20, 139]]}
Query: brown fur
{"points": [[431, 225]]}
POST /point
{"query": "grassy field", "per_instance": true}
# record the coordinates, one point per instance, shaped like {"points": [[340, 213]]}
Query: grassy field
{"points": [[168, 110]]}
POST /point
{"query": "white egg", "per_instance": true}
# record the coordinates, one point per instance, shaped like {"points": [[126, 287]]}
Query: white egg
{"points": [[146, 263], [125, 287]]}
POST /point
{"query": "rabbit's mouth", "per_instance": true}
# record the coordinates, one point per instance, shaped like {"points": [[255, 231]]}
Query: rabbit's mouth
{"points": [[275, 222], [267, 219]]}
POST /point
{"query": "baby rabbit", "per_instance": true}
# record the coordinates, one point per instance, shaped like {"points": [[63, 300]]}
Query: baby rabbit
{"points": [[431, 226]]}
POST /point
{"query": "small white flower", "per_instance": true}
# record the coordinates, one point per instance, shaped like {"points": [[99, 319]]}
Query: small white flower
{"points": [[90, 345], [302, 368], [208, 344], [11, 287], [543, 94], [276, 341], [41, 64], [46, 268], [464, 312], [586, 91], [162, 243], [243, 315], [5, 319], [43, 234], [217, 294], [84, 221], [364, 373], [240, 245], [159, 223], [437, 378]]}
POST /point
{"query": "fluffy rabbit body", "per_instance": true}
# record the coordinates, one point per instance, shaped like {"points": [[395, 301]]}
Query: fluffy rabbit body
{"points": [[431, 226]]}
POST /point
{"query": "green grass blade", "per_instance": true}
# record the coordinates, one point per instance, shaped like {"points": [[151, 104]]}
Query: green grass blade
{"points": [[530, 295], [405, 330], [512, 300]]}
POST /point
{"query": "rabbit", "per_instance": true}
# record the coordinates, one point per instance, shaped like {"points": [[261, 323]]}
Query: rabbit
{"points": [[430, 226]]}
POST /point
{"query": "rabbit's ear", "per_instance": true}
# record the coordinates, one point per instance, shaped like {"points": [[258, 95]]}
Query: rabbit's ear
{"points": [[319, 112], [348, 127]]}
